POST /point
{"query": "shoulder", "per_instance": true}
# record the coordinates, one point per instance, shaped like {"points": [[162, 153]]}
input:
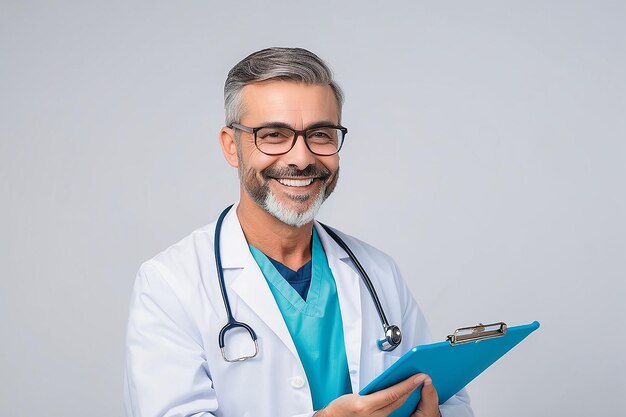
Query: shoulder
{"points": [[182, 262], [167, 288]]}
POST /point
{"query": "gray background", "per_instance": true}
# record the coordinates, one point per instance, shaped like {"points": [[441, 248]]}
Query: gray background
{"points": [[486, 153]]}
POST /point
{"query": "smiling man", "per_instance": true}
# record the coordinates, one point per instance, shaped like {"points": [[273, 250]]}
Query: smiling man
{"points": [[264, 313]]}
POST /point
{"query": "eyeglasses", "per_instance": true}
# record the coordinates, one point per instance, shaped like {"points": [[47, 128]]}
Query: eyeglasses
{"points": [[278, 140]]}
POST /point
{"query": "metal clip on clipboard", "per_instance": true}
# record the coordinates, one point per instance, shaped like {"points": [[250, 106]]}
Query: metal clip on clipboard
{"points": [[476, 333]]}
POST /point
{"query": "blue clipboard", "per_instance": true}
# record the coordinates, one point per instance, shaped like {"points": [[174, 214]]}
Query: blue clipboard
{"points": [[451, 364]]}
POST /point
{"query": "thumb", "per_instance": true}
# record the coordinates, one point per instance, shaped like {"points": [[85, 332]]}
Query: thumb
{"points": [[429, 403]]}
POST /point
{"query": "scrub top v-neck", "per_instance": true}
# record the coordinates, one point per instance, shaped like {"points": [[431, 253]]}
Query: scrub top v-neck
{"points": [[315, 325], [300, 280]]}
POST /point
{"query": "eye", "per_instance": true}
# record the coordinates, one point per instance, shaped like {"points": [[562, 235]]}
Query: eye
{"points": [[322, 135], [319, 134], [272, 133]]}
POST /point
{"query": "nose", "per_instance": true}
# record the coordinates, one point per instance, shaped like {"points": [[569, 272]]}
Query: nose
{"points": [[300, 155]]}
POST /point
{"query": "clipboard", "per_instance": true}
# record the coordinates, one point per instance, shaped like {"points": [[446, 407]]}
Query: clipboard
{"points": [[451, 364]]}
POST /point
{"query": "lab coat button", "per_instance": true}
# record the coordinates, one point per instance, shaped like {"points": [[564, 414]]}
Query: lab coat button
{"points": [[353, 371], [297, 382]]}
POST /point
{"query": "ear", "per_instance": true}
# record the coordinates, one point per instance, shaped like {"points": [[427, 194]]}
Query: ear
{"points": [[229, 147]]}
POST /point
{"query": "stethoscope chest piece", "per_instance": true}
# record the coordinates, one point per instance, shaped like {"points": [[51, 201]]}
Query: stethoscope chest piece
{"points": [[392, 339]]}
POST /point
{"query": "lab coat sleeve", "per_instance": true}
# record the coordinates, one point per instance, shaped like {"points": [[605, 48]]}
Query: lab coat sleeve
{"points": [[413, 319], [166, 372]]}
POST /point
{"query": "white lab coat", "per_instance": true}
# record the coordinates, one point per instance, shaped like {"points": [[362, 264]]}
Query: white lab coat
{"points": [[173, 363]]}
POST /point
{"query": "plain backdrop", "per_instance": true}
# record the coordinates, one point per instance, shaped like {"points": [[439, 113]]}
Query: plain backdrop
{"points": [[486, 154]]}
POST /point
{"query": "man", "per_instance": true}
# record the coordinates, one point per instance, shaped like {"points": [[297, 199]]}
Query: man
{"points": [[311, 344]]}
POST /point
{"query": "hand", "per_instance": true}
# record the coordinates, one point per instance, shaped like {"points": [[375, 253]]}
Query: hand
{"points": [[383, 402], [429, 401]]}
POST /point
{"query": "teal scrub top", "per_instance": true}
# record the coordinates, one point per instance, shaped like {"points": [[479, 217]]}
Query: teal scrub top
{"points": [[315, 325]]}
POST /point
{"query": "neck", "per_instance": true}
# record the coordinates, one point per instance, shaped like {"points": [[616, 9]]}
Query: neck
{"points": [[287, 244]]}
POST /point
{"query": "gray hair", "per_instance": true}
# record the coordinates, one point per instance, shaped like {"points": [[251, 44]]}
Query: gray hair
{"points": [[284, 64]]}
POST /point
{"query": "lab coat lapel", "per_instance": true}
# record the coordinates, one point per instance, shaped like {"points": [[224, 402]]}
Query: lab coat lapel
{"points": [[348, 284], [250, 284]]}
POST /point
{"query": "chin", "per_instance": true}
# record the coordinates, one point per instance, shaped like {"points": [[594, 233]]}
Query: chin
{"points": [[296, 217]]}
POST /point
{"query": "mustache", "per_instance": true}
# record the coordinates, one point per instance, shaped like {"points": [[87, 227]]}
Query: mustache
{"points": [[311, 171]]}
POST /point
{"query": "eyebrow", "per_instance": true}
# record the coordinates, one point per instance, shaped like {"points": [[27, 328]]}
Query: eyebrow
{"points": [[311, 126]]}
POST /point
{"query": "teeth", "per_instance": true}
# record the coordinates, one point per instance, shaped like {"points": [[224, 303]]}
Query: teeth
{"points": [[295, 183]]}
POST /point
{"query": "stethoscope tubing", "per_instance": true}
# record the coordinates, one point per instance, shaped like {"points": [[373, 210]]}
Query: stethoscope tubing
{"points": [[364, 275], [393, 335], [232, 323]]}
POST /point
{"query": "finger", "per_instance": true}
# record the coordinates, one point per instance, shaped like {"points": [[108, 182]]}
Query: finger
{"points": [[420, 378], [429, 403], [396, 394]]}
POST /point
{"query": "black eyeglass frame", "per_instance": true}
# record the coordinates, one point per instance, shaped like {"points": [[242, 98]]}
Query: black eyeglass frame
{"points": [[296, 134]]}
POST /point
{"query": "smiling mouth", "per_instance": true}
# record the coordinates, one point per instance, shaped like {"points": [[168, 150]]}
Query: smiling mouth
{"points": [[290, 182]]}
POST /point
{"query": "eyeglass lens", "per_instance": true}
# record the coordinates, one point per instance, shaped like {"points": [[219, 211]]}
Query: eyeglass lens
{"points": [[277, 140]]}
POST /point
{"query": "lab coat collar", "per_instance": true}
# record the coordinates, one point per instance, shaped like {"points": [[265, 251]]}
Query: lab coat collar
{"points": [[348, 283], [331, 248]]}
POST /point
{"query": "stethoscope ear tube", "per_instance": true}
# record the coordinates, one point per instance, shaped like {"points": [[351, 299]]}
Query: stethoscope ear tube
{"points": [[233, 325]]}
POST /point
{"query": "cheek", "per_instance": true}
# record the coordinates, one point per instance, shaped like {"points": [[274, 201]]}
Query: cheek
{"points": [[332, 163], [258, 161]]}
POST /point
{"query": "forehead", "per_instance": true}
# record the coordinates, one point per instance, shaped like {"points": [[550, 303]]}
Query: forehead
{"points": [[289, 102]]}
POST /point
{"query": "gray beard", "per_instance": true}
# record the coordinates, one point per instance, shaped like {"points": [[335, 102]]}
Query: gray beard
{"points": [[292, 217], [264, 198]]}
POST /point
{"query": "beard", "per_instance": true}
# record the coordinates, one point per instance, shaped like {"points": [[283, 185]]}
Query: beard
{"points": [[305, 206]]}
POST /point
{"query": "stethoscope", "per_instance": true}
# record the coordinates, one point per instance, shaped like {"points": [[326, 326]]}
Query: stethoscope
{"points": [[393, 335]]}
